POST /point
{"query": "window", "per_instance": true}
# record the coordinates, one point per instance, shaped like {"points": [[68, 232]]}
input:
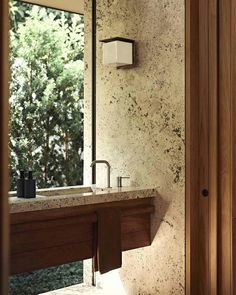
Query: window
{"points": [[46, 115], [46, 95]]}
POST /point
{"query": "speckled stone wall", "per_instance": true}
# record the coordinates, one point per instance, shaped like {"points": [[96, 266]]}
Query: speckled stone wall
{"points": [[140, 131]]}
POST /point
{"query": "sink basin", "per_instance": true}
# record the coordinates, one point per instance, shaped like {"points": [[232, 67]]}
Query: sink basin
{"points": [[65, 191]]}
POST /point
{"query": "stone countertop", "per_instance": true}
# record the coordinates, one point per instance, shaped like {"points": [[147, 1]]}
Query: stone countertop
{"points": [[96, 196]]}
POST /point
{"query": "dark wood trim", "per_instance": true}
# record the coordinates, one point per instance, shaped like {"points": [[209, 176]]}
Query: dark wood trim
{"points": [[192, 146], [117, 39], [233, 71], [4, 73], [233, 109], [213, 145], [204, 148], [234, 255]]}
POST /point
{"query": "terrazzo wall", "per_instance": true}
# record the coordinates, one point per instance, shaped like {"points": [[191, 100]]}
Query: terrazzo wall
{"points": [[140, 131]]}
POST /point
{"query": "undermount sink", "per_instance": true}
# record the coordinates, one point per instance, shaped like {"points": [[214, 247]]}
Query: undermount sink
{"points": [[65, 191]]}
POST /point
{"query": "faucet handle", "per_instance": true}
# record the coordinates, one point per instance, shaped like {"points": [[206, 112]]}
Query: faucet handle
{"points": [[119, 180]]}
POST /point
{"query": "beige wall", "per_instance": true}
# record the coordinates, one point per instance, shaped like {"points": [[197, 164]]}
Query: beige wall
{"points": [[140, 131]]}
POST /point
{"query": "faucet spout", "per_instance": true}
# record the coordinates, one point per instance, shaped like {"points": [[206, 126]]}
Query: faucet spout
{"points": [[108, 170]]}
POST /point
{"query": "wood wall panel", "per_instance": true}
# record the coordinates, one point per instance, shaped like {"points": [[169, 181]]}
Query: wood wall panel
{"points": [[4, 72], [233, 91], [233, 122], [213, 144], [234, 253], [225, 151], [201, 146], [192, 144], [233, 108], [204, 148]]}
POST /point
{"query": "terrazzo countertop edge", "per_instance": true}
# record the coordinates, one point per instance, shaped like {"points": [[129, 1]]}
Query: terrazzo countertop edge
{"points": [[95, 197]]}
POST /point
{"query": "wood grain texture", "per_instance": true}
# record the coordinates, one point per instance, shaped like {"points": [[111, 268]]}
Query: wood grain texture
{"points": [[57, 236], [109, 240], [213, 145], [204, 148], [225, 150], [234, 254], [51, 236], [214, 268], [192, 144], [4, 73], [233, 108], [201, 146], [47, 257], [233, 73]]}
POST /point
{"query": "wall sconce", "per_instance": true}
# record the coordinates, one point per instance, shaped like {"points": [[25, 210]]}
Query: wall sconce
{"points": [[118, 52]]}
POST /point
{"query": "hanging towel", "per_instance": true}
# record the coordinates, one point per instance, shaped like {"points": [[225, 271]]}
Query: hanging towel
{"points": [[109, 254]]}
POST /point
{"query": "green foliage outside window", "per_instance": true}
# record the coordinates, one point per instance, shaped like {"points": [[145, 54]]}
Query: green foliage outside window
{"points": [[46, 95]]}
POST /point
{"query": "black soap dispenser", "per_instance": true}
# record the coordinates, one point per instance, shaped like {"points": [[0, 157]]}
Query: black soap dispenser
{"points": [[30, 186], [20, 190]]}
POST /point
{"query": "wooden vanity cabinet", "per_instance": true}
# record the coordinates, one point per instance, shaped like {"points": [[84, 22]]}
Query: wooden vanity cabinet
{"points": [[45, 238]]}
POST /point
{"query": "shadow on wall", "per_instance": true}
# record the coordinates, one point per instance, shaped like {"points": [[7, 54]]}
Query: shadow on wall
{"points": [[113, 282], [161, 207], [144, 260]]}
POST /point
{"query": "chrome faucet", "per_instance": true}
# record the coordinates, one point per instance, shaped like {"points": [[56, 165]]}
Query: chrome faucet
{"points": [[119, 180], [108, 170]]}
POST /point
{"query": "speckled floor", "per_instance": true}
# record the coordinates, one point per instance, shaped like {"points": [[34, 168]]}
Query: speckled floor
{"points": [[44, 280], [78, 289]]}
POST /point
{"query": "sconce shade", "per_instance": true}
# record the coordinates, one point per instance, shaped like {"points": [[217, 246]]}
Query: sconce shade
{"points": [[118, 52]]}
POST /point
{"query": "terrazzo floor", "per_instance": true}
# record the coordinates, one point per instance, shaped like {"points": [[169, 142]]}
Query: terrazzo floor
{"points": [[78, 289]]}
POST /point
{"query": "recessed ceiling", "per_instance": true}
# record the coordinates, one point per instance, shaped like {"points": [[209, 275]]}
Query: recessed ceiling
{"points": [[67, 5]]}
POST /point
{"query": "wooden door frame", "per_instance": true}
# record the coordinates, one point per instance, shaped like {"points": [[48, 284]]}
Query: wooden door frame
{"points": [[201, 146], [4, 215]]}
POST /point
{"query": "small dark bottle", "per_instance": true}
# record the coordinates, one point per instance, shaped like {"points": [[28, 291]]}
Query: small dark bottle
{"points": [[30, 186], [20, 191]]}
